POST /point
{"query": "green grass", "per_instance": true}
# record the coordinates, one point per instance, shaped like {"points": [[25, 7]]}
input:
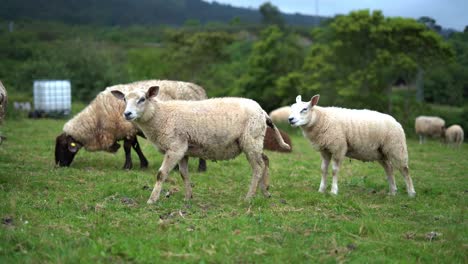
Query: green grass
{"points": [[96, 212]]}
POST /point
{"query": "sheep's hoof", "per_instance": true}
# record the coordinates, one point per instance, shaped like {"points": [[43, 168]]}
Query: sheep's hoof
{"points": [[392, 193], [127, 166], [412, 194], [321, 190], [144, 165], [334, 192], [267, 194], [151, 201]]}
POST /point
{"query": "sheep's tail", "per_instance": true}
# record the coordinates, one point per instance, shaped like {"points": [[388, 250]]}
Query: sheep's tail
{"points": [[277, 134]]}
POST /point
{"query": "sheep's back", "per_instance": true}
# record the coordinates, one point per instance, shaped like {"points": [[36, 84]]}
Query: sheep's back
{"points": [[429, 125]]}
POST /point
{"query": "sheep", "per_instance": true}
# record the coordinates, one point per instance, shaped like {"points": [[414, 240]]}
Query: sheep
{"points": [[454, 135], [216, 129], [429, 126], [3, 101], [280, 115], [359, 134], [3, 105], [270, 142], [100, 125]]}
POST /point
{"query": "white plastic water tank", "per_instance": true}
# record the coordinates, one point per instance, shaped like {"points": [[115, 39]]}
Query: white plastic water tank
{"points": [[52, 96]]}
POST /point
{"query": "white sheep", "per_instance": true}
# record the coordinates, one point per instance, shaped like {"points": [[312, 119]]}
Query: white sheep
{"points": [[432, 126], [454, 135], [3, 105], [359, 134], [3, 101], [216, 129], [280, 115], [100, 125]]}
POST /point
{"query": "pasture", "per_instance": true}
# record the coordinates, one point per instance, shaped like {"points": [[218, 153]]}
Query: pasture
{"points": [[96, 212]]}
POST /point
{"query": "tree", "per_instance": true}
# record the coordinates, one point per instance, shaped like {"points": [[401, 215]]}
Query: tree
{"points": [[271, 15], [358, 57], [273, 56]]}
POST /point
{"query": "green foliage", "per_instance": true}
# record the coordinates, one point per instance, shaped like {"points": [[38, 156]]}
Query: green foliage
{"points": [[275, 55], [94, 212], [358, 57], [271, 15]]}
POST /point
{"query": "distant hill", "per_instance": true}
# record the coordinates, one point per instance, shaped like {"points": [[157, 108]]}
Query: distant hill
{"points": [[130, 12]]}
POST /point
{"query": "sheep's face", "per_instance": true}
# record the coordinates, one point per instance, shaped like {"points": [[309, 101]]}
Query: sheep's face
{"points": [[136, 102], [65, 150], [301, 112]]}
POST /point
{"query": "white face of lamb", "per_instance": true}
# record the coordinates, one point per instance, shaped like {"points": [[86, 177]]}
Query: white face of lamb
{"points": [[134, 105], [300, 113]]}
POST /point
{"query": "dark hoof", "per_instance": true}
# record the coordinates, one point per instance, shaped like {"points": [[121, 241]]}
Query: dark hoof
{"points": [[127, 166], [144, 165]]}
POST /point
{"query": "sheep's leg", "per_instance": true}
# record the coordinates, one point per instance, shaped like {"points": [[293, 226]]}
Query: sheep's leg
{"points": [[265, 181], [257, 164], [201, 165], [390, 177], [143, 160], [421, 139], [171, 158], [324, 167], [183, 169], [336, 162], [409, 182], [128, 155]]}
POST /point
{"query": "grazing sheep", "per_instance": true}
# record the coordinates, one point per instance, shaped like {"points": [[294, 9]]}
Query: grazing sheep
{"points": [[432, 126], [270, 142], [3, 101], [216, 129], [454, 135], [100, 125], [3, 105], [280, 115], [359, 134]]}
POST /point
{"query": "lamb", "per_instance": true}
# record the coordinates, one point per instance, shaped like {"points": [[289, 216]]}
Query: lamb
{"points": [[359, 134], [432, 126], [216, 129], [280, 115], [3, 105], [100, 125], [454, 135]]}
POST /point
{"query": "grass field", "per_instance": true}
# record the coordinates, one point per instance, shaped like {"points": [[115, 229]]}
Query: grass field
{"points": [[96, 212]]}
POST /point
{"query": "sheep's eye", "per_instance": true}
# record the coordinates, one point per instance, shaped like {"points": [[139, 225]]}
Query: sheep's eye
{"points": [[304, 110], [141, 100]]}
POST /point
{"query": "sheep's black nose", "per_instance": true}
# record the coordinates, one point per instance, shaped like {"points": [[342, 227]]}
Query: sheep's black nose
{"points": [[291, 119], [128, 114]]}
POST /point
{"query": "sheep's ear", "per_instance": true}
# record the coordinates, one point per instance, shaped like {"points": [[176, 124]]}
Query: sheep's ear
{"points": [[152, 92], [118, 94], [74, 146], [314, 100], [298, 99]]}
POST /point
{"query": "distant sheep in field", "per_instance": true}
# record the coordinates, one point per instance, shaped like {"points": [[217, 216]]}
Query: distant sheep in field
{"points": [[454, 135], [216, 129], [280, 115], [3, 106], [431, 126], [3, 102], [359, 134], [270, 142], [100, 125]]}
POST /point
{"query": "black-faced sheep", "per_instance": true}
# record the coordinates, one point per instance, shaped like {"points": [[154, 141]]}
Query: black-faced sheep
{"points": [[359, 134], [100, 125], [454, 135], [431, 126], [216, 129]]}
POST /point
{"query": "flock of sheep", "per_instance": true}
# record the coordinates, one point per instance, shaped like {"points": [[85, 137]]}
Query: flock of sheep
{"points": [[181, 122]]}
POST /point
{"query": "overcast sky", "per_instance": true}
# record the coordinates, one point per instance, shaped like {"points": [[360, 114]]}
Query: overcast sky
{"points": [[447, 13]]}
